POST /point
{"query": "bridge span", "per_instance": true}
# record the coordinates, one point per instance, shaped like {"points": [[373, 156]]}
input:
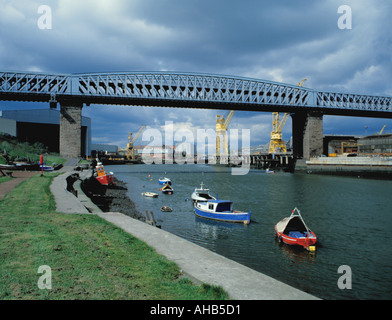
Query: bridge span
{"points": [[188, 90]]}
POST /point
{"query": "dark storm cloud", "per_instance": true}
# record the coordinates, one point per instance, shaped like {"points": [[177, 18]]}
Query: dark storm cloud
{"points": [[274, 40]]}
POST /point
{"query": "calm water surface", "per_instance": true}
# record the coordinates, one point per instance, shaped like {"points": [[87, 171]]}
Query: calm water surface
{"points": [[352, 218]]}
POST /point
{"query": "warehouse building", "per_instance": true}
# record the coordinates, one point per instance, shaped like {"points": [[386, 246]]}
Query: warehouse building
{"points": [[41, 125], [376, 144]]}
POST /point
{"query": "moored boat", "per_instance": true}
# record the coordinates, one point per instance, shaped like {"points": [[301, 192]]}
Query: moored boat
{"points": [[167, 189], [202, 194], [166, 209], [103, 177], [150, 194], [221, 210], [164, 181], [46, 167], [293, 231]]}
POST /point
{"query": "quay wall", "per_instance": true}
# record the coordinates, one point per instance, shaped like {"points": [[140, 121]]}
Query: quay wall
{"points": [[377, 167]]}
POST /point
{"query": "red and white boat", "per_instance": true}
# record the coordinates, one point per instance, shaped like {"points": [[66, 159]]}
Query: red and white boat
{"points": [[103, 177], [293, 231]]}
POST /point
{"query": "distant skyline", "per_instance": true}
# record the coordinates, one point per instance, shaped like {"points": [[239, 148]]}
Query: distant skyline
{"points": [[282, 41]]}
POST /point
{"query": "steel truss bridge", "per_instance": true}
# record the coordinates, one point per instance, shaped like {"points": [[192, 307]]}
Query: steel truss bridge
{"points": [[186, 90]]}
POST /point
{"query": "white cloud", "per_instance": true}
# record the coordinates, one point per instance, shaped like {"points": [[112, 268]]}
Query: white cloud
{"points": [[9, 15]]}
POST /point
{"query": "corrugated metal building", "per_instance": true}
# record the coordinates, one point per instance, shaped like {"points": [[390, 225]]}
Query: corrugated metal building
{"points": [[375, 144], [41, 125]]}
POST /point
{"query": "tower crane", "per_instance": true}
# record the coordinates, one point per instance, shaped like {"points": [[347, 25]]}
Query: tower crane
{"points": [[278, 123], [221, 133], [131, 141]]}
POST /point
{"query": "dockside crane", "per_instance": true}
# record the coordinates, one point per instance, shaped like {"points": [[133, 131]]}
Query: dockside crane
{"points": [[278, 123], [131, 141], [277, 142], [382, 130], [221, 133]]}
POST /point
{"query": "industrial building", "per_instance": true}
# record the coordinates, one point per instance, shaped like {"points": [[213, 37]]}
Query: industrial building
{"points": [[369, 145], [376, 144], [41, 125], [104, 149], [334, 145]]}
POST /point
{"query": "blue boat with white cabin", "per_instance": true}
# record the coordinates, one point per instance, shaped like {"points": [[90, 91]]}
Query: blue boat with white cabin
{"points": [[164, 181], [221, 210]]}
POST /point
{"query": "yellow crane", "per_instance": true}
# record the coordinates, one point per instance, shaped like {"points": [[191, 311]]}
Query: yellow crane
{"points": [[221, 133], [131, 141], [382, 130], [278, 123], [277, 142], [350, 144]]}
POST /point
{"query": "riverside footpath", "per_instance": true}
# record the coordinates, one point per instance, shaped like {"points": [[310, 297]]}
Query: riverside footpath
{"points": [[19, 177], [197, 263]]}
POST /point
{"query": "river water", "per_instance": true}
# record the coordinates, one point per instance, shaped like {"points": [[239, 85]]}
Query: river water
{"points": [[351, 217]]}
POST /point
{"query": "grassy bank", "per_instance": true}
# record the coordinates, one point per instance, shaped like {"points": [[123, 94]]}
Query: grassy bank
{"points": [[89, 258]]}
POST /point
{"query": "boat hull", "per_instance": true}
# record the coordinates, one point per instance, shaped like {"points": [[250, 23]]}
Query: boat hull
{"points": [[150, 194], [234, 216], [164, 181], [47, 168], [303, 241], [168, 191], [105, 180]]}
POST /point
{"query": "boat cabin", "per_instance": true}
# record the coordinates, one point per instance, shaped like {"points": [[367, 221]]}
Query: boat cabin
{"points": [[220, 205], [204, 195], [100, 170]]}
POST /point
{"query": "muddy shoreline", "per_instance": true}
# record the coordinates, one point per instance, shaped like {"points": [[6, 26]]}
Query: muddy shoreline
{"points": [[111, 199]]}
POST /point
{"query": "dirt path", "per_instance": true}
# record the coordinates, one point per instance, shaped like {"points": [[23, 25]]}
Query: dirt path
{"points": [[18, 177]]}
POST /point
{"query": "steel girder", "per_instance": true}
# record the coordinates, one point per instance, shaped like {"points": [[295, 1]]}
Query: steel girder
{"points": [[182, 87], [346, 101], [36, 83], [191, 87]]}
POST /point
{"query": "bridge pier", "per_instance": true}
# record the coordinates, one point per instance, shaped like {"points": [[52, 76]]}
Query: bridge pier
{"points": [[307, 134], [71, 128]]}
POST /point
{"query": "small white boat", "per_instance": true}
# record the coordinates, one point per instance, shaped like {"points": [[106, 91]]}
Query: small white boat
{"points": [[268, 170], [164, 180], [45, 167], [150, 194], [202, 194], [221, 210]]}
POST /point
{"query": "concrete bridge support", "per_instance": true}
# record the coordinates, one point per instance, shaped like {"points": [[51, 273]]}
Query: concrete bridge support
{"points": [[71, 129], [307, 135]]}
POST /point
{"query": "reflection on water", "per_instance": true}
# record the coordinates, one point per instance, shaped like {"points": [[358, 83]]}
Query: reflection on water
{"points": [[350, 217]]}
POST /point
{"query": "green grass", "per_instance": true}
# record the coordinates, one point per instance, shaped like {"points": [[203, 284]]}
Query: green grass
{"points": [[4, 179], [49, 159], [89, 258], [84, 161]]}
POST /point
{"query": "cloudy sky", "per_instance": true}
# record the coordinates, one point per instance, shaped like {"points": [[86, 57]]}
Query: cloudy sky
{"points": [[283, 41]]}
